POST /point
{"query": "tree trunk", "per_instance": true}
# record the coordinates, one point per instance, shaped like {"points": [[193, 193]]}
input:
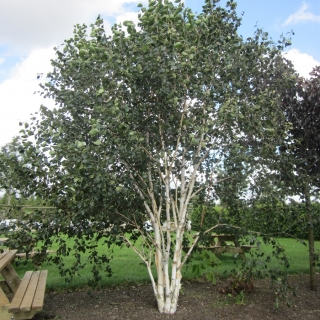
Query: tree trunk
{"points": [[168, 284], [313, 284]]}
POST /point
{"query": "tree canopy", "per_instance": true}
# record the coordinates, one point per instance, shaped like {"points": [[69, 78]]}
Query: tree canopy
{"points": [[144, 119], [302, 109]]}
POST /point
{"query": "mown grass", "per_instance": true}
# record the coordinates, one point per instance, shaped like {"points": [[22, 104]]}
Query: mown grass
{"points": [[128, 268]]}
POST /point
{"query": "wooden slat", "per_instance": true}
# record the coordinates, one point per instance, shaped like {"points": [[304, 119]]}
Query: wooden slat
{"points": [[6, 257], [3, 298], [2, 241], [29, 295], [226, 249], [6, 315], [16, 302], [37, 304], [11, 277], [33, 253]]}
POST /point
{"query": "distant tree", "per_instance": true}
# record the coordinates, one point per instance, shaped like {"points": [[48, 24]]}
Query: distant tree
{"points": [[302, 109], [151, 109]]}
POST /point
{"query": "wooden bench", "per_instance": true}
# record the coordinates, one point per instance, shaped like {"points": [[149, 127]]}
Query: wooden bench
{"points": [[33, 253], [28, 293], [220, 245], [23, 254], [247, 248], [3, 241], [230, 249]]}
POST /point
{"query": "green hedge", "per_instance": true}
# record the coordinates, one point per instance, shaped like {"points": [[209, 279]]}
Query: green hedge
{"points": [[284, 219], [268, 218]]}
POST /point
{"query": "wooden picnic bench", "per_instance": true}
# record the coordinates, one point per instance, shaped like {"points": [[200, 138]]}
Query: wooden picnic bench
{"points": [[221, 244], [28, 293], [3, 241], [33, 253], [24, 254]]}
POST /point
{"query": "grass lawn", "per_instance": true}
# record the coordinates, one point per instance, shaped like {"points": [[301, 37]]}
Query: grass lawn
{"points": [[127, 267]]}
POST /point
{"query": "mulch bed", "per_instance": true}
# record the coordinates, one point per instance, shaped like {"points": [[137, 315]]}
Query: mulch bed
{"points": [[197, 301]]}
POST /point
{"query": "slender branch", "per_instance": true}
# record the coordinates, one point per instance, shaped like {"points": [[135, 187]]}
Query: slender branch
{"points": [[202, 188], [130, 169], [179, 134], [189, 252], [174, 212], [220, 225], [196, 240], [135, 224], [136, 250], [147, 262], [142, 196], [149, 154], [190, 186]]}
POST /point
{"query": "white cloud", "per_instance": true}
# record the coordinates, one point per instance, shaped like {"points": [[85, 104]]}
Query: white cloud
{"points": [[32, 28], [38, 23], [17, 98], [131, 16], [302, 15], [302, 62]]}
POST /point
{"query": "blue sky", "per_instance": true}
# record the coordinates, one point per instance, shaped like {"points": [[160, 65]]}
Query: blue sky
{"points": [[30, 29], [281, 17]]}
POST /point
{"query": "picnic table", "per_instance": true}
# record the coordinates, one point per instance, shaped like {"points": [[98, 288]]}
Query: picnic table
{"points": [[28, 293], [24, 254], [224, 243], [3, 241]]}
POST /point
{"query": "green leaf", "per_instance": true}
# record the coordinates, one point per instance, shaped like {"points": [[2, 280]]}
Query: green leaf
{"points": [[94, 132], [128, 23], [80, 144], [82, 53], [98, 142]]}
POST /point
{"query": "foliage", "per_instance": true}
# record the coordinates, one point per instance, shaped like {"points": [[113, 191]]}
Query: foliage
{"points": [[205, 216], [258, 200], [145, 119], [302, 110], [272, 264], [276, 218], [134, 272], [303, 148], [31, 201], [11, 166], [204, 265]]}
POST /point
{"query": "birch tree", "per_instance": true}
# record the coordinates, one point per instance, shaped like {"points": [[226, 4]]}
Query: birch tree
{"points": [[143, 121]]}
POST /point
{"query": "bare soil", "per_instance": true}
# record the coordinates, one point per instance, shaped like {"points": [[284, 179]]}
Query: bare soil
{"points": [[198, 300]]}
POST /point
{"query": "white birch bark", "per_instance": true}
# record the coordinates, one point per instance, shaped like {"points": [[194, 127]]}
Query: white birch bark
{"points": [[168, 234]]}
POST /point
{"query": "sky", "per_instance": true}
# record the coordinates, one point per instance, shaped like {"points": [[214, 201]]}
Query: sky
{"points": [[31, 29]]}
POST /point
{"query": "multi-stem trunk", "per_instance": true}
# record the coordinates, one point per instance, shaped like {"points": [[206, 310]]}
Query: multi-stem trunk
{"points": [[168, 246], [168, 284], [167, 213]]}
